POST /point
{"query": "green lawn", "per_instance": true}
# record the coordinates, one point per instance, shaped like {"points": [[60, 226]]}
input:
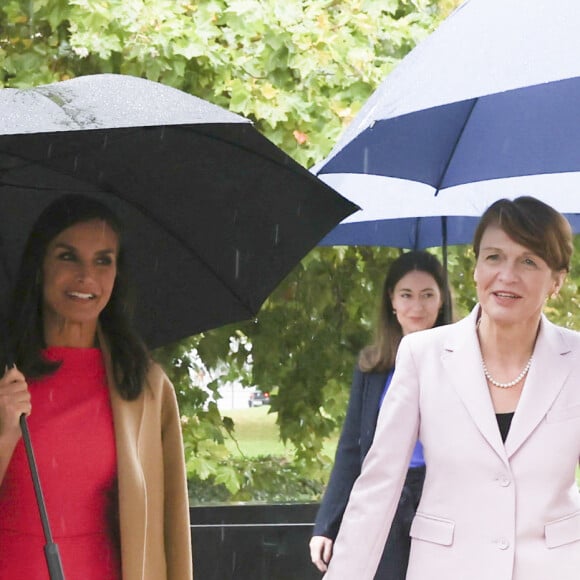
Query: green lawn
{"points": [[257, 433]]}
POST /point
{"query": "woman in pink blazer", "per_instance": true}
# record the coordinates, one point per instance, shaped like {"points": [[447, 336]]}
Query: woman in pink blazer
{"points": [[495, 400]]}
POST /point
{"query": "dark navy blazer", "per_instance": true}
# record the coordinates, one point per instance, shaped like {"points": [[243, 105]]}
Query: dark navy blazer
{"points": [[355, 440]]}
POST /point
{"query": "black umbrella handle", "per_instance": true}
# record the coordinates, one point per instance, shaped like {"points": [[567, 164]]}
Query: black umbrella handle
{"points": [[51, 552]]}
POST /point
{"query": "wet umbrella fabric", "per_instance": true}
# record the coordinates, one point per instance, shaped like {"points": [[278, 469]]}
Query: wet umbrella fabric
{"points": [[216, 215], [481, 109]]}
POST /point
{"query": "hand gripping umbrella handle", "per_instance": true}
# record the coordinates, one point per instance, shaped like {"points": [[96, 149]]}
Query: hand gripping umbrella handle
{"points": [[51, 552]]}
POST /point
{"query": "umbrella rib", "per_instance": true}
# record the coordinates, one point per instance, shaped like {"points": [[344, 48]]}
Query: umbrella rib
{"points": [[286, 163], [455, 145], [190, 249]]}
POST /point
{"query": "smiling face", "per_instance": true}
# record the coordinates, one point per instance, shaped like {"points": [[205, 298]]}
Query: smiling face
{"points": [[512, 282], [416, 300], [79, 271]]}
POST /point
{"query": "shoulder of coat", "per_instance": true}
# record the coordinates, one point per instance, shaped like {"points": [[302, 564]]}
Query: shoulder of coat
{"points": [[157, 378]]}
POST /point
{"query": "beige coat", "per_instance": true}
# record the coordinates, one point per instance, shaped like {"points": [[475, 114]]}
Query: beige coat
{"points": [[153, 500], [489, 510]]}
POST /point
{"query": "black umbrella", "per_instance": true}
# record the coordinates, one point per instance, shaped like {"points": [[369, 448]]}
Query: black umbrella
{"points": [[216, 214]]}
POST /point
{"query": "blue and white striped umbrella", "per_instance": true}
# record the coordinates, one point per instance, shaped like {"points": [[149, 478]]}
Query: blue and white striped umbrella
{"points": [[488, 106]]}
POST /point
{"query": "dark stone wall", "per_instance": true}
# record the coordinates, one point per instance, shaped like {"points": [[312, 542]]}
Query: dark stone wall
{"points": [[253, 542]]}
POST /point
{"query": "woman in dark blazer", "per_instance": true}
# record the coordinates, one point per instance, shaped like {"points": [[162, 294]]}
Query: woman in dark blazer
{"points": [[413, 295]]}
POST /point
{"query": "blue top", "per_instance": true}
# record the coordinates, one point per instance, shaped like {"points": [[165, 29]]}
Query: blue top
{"points": [[417, 459]]}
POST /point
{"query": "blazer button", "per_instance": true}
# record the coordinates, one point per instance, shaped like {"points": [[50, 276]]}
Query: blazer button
{"points": [[502, 544], [504, 481]]}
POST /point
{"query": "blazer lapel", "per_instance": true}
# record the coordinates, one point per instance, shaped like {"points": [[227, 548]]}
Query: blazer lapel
{"points": [[462, 361], [127, 418], [551, 364]]}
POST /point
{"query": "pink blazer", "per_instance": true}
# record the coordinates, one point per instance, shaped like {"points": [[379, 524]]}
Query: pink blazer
{"points": [[489, 511]]}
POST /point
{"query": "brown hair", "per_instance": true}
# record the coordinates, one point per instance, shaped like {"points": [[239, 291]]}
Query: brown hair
{"points": [[532, 224], [380, 356]]}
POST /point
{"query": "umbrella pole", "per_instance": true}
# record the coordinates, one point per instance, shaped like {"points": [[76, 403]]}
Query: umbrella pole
{"points": [[447, 299], [51, 552]]}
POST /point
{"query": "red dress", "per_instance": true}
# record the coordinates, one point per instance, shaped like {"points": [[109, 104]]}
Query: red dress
{"points": [[71, 428]]}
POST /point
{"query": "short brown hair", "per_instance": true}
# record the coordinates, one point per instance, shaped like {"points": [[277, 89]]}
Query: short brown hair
{"points": [[532, 224]]}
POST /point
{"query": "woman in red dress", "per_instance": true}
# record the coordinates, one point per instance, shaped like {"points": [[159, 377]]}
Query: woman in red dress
{"points": [[103, 417]]}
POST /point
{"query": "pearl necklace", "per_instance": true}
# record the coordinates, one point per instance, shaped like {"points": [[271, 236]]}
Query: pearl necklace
{"points": [[511, 383]]}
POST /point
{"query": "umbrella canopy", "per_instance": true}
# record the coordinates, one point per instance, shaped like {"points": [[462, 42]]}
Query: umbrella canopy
{"points": [[484, 108], [215, 214]]}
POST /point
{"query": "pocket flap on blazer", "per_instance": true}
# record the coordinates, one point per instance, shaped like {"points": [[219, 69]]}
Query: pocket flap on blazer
{"points": [[432, 529], [563, 531]]}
